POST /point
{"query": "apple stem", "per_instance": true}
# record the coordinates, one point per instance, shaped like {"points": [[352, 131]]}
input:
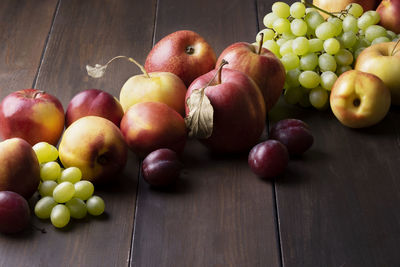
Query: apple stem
{"points": [[394, 48], [35, 95], [260, 43], [318, 8], [218, 73]]}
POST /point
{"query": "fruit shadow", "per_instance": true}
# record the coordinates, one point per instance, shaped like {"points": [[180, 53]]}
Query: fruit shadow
{"points": [[180, 187]]}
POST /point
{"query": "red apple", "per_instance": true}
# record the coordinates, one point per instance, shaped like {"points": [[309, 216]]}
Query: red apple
{"points": [[19, 167], [184, 53], [148, 126], [389, 10], [261, 65], [239, 110], [32, 115], [94, 102]]}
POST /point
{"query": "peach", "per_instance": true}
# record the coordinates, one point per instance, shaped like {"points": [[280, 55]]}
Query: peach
{"points": [[152, 125], [94, 145]]}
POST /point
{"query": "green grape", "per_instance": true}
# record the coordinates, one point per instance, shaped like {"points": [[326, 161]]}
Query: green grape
{"points": [[281, 25], [358, 52], [309, 61], [318, 97], [361, 42], [269, 34], [95, 205], [63, 192], [71, 174], [355, 9], [60, 216], [292, 95], [286, 48], [45, 152], [365, 21], [297, 10], [342, 69], [338, 25], [349, 39], [269, 20], [46, 188], [313, 19], [298, 27], [331, 46], [77, 208], [288, 36], [391, 35], [327, 62], [83, 189], [328, 78], [50, 171], [281, 9], [309, 79], [300, 46], [44, 206], [375, 16], [290, 61], [292, 78], [374, 31], [281, 41], [344, 57], [379, 40], [305, 100], [350, 24], [316, 45], [326, 30], [310, 9], [272, 46]]}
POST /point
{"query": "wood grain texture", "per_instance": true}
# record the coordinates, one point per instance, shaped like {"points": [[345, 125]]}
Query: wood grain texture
{"points": [[338, 204], [24, 26], [219, 213], [89, 32]]}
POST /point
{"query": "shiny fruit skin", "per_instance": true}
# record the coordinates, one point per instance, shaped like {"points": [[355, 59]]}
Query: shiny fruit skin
{"points": [[184, 53], [260, 67], [268, 159], [19, 167], [94, 102], [238, 106], [161, 167], [14, 212], [32, 115], [149, 126], [389, 11], [337, 6], [294, 134]]}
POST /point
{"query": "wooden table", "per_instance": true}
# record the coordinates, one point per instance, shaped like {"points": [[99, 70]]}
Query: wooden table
{"points": [[338, 205]]}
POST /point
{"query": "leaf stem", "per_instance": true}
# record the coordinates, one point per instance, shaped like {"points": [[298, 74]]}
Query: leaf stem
{"points": [[318, 8], [133, 61], [392, 54], [260, 43]]}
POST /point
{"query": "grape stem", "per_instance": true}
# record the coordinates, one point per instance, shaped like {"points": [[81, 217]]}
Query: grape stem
{"points": [[394, 48], [260, 43], [318, 8]]}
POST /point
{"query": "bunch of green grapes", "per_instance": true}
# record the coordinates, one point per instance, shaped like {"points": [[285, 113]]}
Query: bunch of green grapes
{"points": [[315, 51], [63, 193]]}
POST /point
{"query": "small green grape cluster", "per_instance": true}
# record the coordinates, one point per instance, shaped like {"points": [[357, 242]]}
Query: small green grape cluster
{"points": [[63, 193], [315, 51]]}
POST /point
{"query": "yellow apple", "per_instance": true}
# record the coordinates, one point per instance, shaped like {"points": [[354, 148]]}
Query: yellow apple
{"points": [[383, 60], [164, 87], [339, 5], [359, 99]]}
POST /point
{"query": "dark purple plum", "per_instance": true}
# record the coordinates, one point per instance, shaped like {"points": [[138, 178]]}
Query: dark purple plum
{"points": [[294, 134], [268, 159], [161, 167], [14, 212]]}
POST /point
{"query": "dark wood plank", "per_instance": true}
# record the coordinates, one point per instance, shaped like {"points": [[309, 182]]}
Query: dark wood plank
{"points": [[24, 26], [219, 213], [89, 32], [338, 204]]}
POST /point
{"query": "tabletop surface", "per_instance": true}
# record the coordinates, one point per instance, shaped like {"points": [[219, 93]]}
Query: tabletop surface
{"points": [[337, 205]]}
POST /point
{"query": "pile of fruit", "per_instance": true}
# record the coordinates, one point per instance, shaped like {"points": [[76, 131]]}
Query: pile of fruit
{"points": [[315, 50], [186, 91]]}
